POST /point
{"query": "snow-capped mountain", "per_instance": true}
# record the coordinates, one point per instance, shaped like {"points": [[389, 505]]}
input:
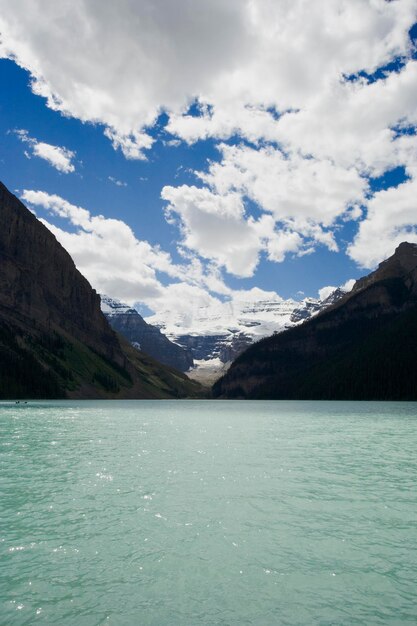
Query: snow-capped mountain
{"points": [[213, 336], [143, 336], [222, 332], [111, 307], [255, 318]]}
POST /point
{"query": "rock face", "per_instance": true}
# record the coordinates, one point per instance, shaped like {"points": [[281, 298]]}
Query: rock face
{"points": [[127, 321], [54, 339], [363, 346], [40, 283]]}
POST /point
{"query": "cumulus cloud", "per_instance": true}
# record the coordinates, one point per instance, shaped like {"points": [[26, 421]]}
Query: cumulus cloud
{"points": [[131, 60], [105, 250], [300, 200], [354, 123], [131, 144], [391, 219], [128, 61], [60, 158], [304, 197], [116, 262], [288, 187], [299, 86], [215, 226], [195, 310]]}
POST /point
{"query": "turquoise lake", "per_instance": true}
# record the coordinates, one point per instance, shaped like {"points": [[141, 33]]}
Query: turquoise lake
{"points": [[199, 512]]}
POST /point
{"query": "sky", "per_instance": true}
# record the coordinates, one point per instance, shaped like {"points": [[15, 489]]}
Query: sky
{"points": [[186, 153]]}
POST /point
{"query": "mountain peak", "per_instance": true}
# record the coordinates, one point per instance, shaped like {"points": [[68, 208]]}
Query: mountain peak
{"points": [[363, 347], [405, 254], [406, 246], [128, 322], [401, 265], [112, 306]]}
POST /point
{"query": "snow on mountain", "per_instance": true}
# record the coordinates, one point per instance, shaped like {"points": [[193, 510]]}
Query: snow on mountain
{"points": [[111, 306], [255, 318], [220, 333], [216, 334], [143, 336]]}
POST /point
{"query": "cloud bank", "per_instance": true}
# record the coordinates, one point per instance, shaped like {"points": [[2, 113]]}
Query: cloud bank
{"points": [[307, 102]]}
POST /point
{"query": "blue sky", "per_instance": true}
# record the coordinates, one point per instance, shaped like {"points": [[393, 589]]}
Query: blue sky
{"points": [[273, 164]]}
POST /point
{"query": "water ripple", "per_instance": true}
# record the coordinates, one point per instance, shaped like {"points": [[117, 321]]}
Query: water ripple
{"points": [[127, 513]]}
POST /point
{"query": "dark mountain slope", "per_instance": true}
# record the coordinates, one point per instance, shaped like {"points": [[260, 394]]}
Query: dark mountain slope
{"points": [[362, 347], [54, 339]]}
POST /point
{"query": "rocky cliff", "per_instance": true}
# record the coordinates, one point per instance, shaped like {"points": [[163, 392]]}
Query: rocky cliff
{"points": [[363, 346], [147, 338], [40, 284], [54, 339]]}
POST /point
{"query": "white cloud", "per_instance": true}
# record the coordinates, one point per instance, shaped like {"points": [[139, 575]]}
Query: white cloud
{"points": [[351, 122], [60, 158], [180, 305], [115, 181], [116, 262], [128, 60], [304, 192], [288, 187], [131, 60], [215, 226], [105, 250], [172, 143], [348, 285], [300, 200], [282, 244], [325, 292], [289, 77], [254, 311], [391, 219], [131, 144]]}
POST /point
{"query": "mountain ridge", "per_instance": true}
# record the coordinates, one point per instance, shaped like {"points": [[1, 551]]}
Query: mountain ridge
{"points": [[364, 346], [54, 339], [129, 323]]}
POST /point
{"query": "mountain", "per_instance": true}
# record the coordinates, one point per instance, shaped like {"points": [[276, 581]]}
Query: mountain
{"points": [[307, 309], [362, 347], [54, 339], [127, 321], [216, 335]]}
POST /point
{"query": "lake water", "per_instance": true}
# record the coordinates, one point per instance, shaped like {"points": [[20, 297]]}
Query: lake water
{"points": [[187, 512]]}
